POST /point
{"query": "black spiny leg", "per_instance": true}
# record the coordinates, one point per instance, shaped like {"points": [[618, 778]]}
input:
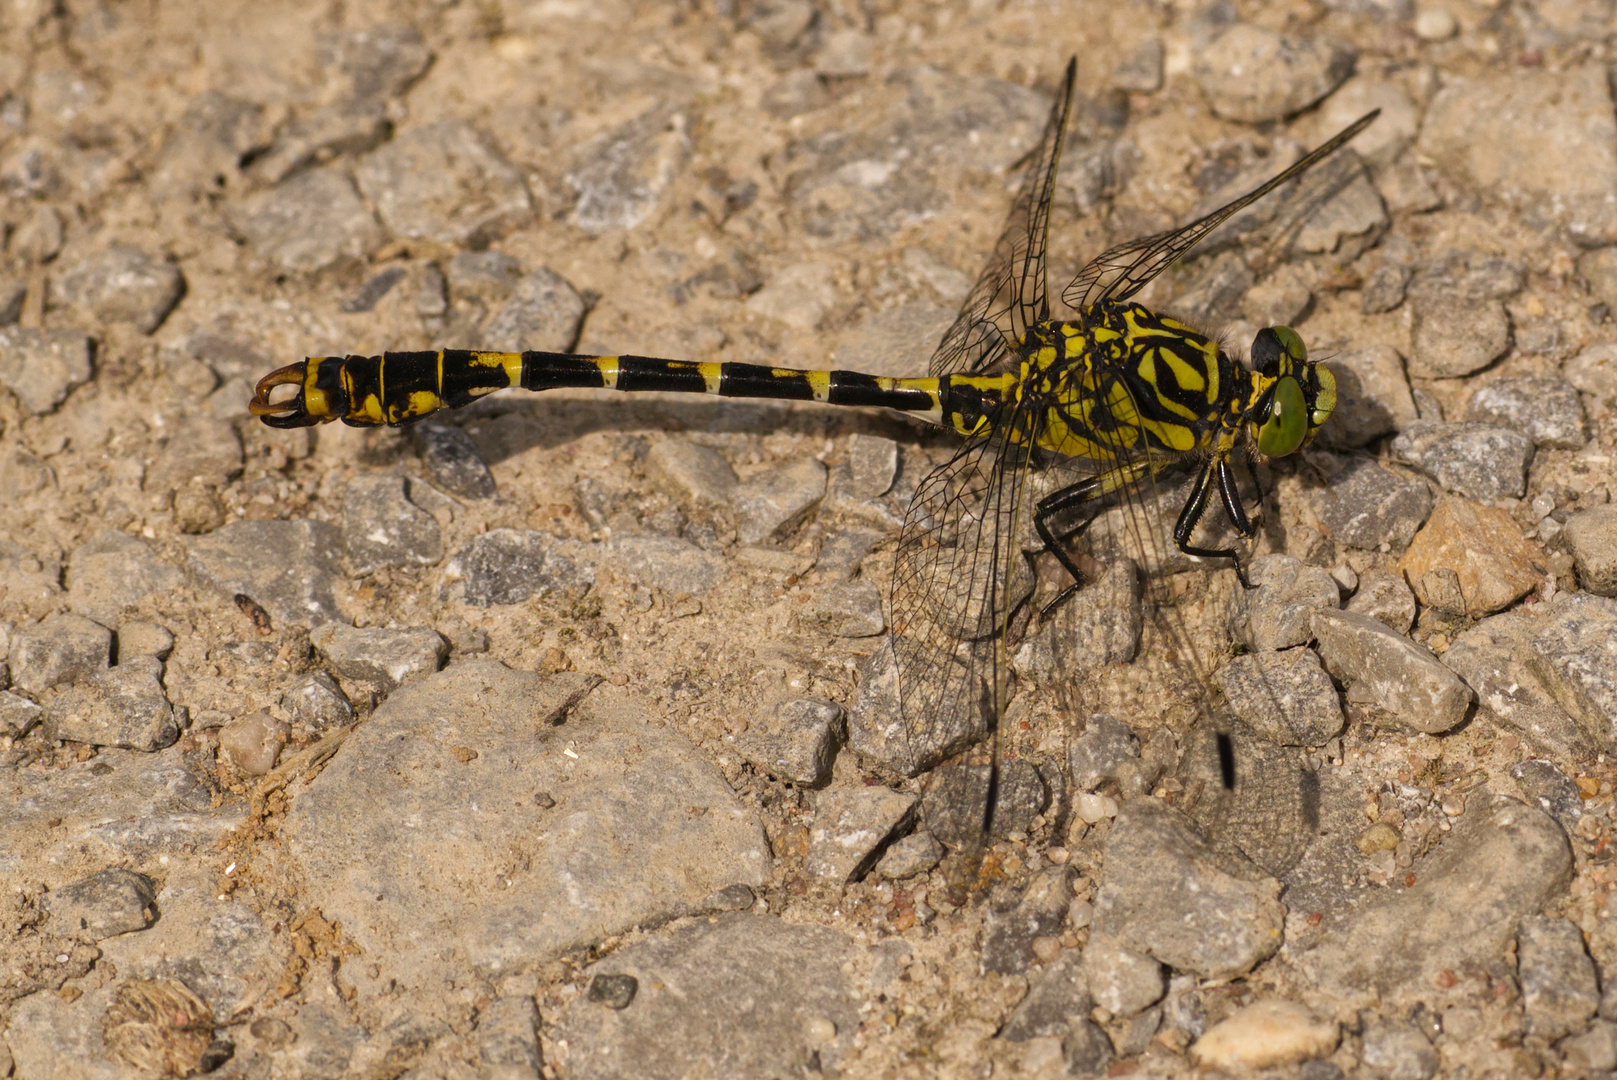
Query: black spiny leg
{"points": [[1059, 502], [1230, 495]]}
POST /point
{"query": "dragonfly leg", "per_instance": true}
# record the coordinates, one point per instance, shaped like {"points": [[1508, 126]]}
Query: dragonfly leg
{"points": [[1216, 471], [1066, 499]]}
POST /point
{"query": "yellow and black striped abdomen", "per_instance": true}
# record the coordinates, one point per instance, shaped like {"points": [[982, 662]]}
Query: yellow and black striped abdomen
{"points": [[401, 387]]}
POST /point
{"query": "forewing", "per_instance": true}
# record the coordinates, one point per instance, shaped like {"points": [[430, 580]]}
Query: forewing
{"points": [[1122, 271], [1010, 294]]}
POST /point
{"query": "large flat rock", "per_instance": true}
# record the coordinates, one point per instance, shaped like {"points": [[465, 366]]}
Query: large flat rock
{"points": [[474, 823]]}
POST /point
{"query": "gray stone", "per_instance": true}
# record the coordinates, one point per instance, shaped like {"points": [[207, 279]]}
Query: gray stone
{"points": [[1011, 927], [1456, 335], [307, 223], [847, 609], [1594, 370], [382, 658], [954, 802], [1372, 396], [452, 460], [253, 742], [13, 293], [123, 706], [138, 638], [850, 827], [1394, 1050], [697, 472], [1595, 1050], [1386, 598], [208, 142], [112, 901], [1384, 289], [489, 276], [1121, 979], [376, 62], [315, 136], [1107, 752], [621, 175], [43, 366], [1252, 74], [799, 295], [1479, 461], [772, 503], [1284, 596], [381, 527], [901, 164], [1496, 659], [668, 563], [1575, 655], [873, 463], [218, 946], [896, 342], [125, 285], [508, 1039], [18, 715], [508, 566], [1545, 409], [446, 183], [1140, 72], [796, 741], [879, 734], [38, 237], [1543, 140], [1056, 998], [1286, 697], [1389, 673], [1098, 627], [114, 572], [317, 704], [1365, 505], [543, 312], [290, 567], [735, 995], [1550, 789], [59, 649], [206, 450], [1592, 535], [614, 848], [1165, 894], [122, 807], [1252, 799], [1559, 989], [843, 552], [1502, 860], [1086, 1050], [910, 855]]}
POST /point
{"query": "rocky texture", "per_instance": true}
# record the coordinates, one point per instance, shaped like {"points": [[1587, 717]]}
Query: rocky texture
{"points": [[1388, 673], [1478, 550], [1166, 895], [607, 782]]}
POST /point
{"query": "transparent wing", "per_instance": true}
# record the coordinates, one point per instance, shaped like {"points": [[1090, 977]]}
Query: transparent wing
{"points": [[957, 574], [1010, 294], [1122, 271]]}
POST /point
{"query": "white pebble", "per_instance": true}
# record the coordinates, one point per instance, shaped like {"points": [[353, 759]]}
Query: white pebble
{"points": [[1434, 24]]}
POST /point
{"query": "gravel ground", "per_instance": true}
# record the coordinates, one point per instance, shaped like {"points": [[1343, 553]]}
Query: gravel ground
{"points": [[556, 737]]}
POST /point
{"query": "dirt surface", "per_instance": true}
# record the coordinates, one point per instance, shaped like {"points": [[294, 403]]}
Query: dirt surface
{"points": [[553, 740]]}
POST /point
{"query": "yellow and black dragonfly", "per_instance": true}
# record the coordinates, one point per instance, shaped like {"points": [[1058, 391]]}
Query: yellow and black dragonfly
{"points": [[1099, 404]]}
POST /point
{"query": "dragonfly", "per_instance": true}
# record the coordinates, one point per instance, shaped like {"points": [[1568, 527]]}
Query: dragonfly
{"points": [[1098, 404]]}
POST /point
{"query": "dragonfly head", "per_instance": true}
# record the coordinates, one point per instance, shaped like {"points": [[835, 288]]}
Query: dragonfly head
{"points": [[1299, 395]]}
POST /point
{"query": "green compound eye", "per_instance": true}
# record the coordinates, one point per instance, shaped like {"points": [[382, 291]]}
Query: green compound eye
{"points": [[1292, 343], [1282, 433], [1324, 396]]}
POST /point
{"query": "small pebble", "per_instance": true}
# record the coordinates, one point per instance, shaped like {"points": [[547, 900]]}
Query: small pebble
{"points": [[1434, 24]]}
